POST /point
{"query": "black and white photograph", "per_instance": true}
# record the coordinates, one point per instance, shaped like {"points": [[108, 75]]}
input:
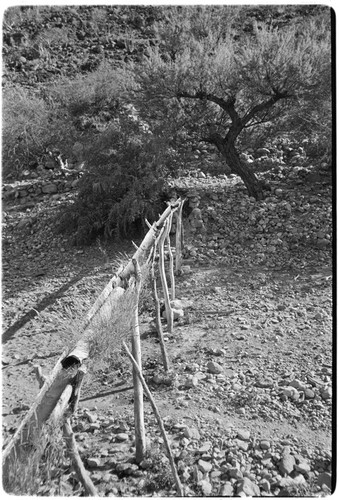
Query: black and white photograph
{"points": [[168, 250]]}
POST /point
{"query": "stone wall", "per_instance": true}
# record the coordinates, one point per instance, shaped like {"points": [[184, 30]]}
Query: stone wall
{"points": [[32, 190]]}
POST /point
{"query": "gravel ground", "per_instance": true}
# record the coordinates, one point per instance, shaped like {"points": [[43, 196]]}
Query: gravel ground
{"points": [[247, 403]]}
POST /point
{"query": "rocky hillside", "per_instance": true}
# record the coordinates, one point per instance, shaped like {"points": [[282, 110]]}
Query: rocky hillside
{"points": [[42, 43]]}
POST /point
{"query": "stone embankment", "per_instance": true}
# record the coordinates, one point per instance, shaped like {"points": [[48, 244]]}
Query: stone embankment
{"points": [[31, 191], [223, 224]]}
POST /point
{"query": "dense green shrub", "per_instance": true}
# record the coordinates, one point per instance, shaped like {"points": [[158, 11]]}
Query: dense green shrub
{"points": [[123, 183]]}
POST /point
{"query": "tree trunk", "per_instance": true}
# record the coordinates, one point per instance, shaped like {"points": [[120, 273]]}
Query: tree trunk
{"points": [[228, 150], [252, 183]]}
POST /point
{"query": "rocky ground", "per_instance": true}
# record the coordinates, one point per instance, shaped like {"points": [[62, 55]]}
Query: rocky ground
{"points": [[247, 403]]}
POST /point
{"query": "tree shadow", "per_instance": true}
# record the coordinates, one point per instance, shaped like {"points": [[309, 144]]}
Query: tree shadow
{"points": [[46, 302], [105, 394]]}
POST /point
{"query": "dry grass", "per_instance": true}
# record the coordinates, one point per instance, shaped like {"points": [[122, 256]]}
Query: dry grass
{"points": [[40, 471], [113, 325], [37, 471]]}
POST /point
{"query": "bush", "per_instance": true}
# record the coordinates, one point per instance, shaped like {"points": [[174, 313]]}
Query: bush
{"points": [[30, 127], [123, 183], [93, 99]]}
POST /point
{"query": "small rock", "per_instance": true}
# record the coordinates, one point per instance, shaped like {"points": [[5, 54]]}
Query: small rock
{"points": [[191, 381], [291, 392], [264, 383], [309, 394], [303, 467], [286, 464], [93, 462], [235, 473], [241, 411], [244, 435], [242, 445], [326, 393], [191, 433], [265, 485], [226, 490], [297, 384], [121, 436], [286, 482], [205, 447], [247, 487], [264, 444], [204, 466], [92, 417], [95, 426], [206, 487], [214, 367], [325, 478]]}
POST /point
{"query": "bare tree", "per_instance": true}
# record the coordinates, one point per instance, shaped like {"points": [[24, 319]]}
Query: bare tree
{"points": [[213, 81]]}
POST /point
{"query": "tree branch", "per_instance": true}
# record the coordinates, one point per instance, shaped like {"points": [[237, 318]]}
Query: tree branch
{"points": [[265, 105], [226, 105]]}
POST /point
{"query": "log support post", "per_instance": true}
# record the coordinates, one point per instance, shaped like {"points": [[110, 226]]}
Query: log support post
{"points": [[169, 312], [140, 440], [158, 313], [179, 487]]}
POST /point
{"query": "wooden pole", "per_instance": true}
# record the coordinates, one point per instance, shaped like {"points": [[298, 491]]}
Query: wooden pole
{"points": [[77, 390], [119, 280], [158, 313], [32, 424], [169, 312], [179, 237], [160, 422], [81, 472], [140, 440], [39, 375], [170, 254]]}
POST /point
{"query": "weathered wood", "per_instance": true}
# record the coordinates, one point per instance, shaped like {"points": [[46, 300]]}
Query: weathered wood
{"points": [[140, 439], [64, 372], [29, 435], [158, 314], [77, 389], [169, 312], [40, 410], [148, 241], [61, 405], [82, 474], [117, 282], [170, 254], [39, 375], [160, 422], [179, 237]]}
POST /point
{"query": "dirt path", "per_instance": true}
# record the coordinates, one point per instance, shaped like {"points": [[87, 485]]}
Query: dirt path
{"points": [[252, 353]]}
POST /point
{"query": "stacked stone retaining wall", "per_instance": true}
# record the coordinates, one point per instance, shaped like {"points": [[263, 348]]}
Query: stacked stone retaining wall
{"points": [[31, 191]]}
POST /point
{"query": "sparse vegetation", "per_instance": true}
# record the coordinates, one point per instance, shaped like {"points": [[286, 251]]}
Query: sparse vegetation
{"points": [[146, 103], [211, 74]]}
